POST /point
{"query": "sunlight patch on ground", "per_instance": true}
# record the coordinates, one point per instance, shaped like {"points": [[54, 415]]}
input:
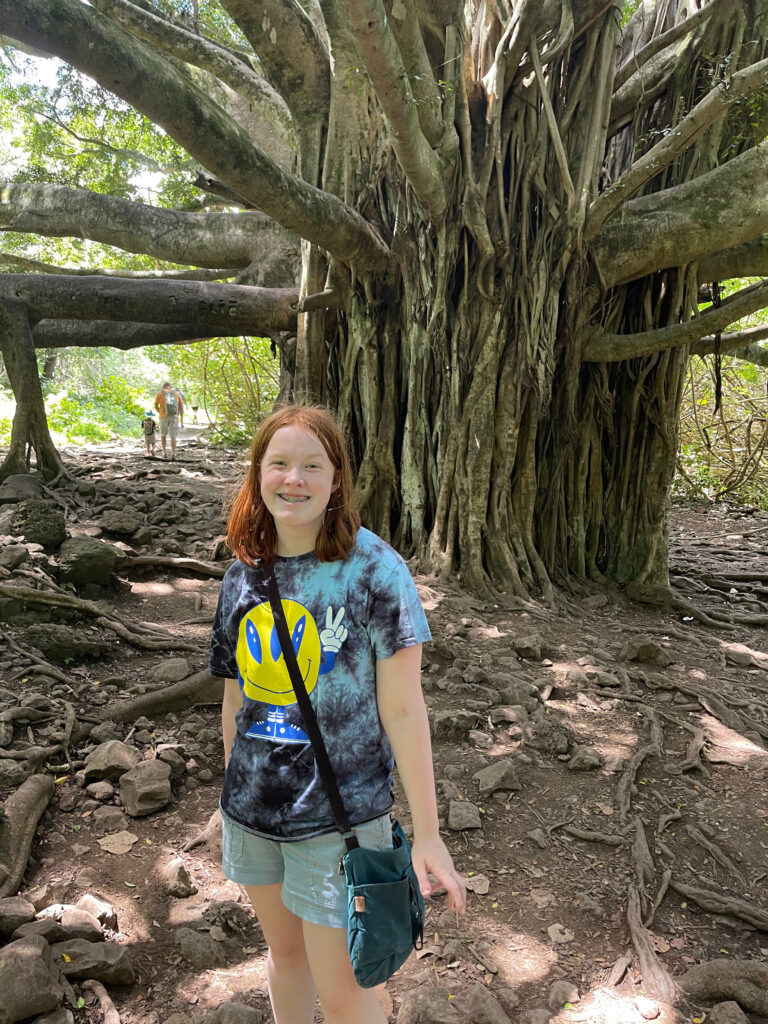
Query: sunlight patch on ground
{"points": [[152, 587], [521, 959], [606, 1006], [608, 736], [736, 749]]}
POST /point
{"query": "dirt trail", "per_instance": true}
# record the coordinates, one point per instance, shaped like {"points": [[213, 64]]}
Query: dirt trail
{"points": [[622, 760]]}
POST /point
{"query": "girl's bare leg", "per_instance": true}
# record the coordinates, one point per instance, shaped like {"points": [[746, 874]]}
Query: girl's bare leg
{"points": [[342, 999], [291, 988]]}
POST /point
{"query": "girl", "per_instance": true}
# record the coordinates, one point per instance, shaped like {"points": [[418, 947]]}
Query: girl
{"points": [[149, 429], [357, 628]]}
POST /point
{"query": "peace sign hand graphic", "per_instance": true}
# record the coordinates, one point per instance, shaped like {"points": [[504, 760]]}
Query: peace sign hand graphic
{"points": [[334, 634]]}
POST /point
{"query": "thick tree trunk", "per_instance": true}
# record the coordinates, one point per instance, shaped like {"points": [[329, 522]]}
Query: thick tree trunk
{"points": [[30, 426]]}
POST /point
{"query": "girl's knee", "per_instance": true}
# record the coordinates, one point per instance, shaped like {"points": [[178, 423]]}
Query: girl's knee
{"points": [[288, 952]]}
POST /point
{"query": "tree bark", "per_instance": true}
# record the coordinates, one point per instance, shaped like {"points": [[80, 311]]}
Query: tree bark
{"points": [[30, 426]]}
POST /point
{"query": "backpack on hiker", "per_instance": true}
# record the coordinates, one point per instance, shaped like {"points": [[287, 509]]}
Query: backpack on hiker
{"points": [[171, 401], [149, 426]]}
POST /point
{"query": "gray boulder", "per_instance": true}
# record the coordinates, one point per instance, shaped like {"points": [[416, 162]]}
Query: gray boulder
{"points": [[63, 643], [428, 1005], [27, 982], [20, 486], [104, 961], [39, 522], [88, 560], [498, 775], [146, 788], [728, 1013], [454, 723], [476, 1004], [110, 760], [177, 880], [14, 911], [170, 670], [234, 1013], [585, 759], [199, 948], [13, 555], [121, 521], [80, 924], [463, 815], [643, 648]]}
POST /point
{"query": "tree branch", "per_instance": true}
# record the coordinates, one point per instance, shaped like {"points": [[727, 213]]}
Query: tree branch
{"points": [[247, 309], [678, 225], [714, 105], [35, 266], [206, 54], [740, 345], [613, 348], [635, 61], [747, 260], [125, 336], [200, 239], [384, 63], [130, 69], [291, 52]]}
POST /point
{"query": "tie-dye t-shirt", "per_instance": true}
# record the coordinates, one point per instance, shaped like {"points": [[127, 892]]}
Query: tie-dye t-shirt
{"points": [[343, 617]]}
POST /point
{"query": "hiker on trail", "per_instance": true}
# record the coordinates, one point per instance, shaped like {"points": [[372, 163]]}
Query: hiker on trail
{"points": [[149, 429], [169, 405]]}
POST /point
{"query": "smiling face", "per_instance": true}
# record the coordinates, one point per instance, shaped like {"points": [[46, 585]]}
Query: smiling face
{"points": [[297, 479]]}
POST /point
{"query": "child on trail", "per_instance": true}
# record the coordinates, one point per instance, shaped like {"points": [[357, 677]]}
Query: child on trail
{"points": [[149, 429], [357, 627]]}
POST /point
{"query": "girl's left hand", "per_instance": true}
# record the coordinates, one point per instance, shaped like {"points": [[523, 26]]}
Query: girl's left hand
{"points": [[431, 855]]}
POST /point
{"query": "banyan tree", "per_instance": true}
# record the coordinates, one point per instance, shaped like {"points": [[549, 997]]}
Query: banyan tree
{"points": [[513, 218]]}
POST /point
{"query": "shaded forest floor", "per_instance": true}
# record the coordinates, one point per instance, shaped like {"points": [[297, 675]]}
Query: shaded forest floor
{"points": [[633, 752]]}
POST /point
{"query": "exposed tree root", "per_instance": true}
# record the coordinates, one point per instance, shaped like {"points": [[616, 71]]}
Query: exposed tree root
{"points": [[107, 1007], [745, 981], [665, 597], [22, 811], [144, 643], [201, 688], [50, 670], [656, 982], [716, 903], [209, 836], [714, 850], [593, 837], [168, 562], [128, 631], [666, 878]]}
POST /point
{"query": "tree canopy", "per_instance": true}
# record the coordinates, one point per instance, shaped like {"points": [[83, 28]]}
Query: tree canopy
{"points": [[479, 232]]}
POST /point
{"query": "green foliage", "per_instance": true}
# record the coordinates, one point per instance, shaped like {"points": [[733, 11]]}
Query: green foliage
{"points": [[77, 134], [725, 452]]}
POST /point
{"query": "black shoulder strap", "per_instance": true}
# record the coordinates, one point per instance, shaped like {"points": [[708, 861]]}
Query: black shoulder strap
{"points": [[324, 766]]}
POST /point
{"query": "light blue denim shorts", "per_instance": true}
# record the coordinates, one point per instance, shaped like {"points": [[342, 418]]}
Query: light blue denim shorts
{"points": [[312, 889]]}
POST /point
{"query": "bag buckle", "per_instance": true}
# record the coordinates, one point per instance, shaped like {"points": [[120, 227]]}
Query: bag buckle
{"points": [[359, 904]]}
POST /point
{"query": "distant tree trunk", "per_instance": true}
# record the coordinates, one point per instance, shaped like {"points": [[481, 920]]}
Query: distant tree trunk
{"points": [[49, 365], [30, 426]]}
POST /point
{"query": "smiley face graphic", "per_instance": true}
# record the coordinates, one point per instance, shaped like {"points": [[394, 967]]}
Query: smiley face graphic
{"points": [[263, 672]]}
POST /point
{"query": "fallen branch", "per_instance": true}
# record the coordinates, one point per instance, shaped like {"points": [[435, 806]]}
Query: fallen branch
{"points": [[593, 837]]}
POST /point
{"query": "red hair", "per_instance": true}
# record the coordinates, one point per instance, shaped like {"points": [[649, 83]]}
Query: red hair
{"points": [[251, 533]]}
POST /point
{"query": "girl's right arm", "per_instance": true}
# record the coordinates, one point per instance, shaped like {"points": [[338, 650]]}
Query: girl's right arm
{"points": [[233, 701]]}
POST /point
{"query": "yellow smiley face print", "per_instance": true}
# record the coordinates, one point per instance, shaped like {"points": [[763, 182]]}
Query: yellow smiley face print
{"points": [[260, 660]]}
